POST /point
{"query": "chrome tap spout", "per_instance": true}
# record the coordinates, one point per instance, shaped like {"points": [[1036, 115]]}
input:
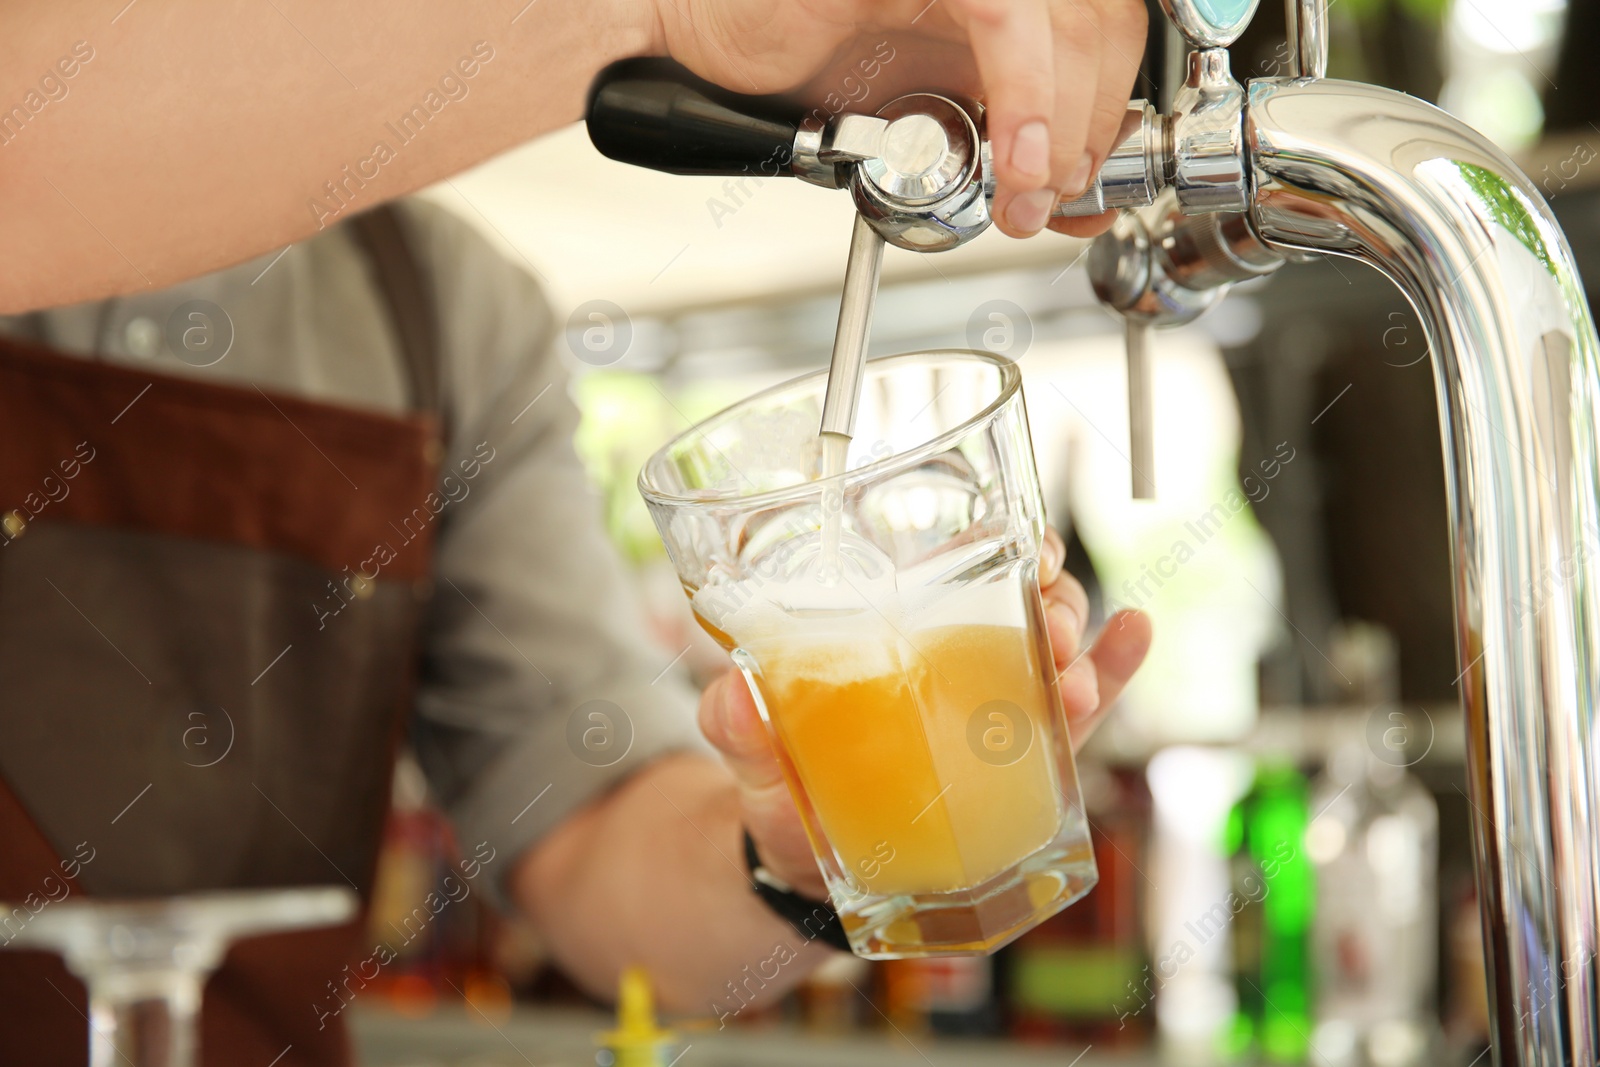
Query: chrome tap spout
{"points": [[1355, 170]]}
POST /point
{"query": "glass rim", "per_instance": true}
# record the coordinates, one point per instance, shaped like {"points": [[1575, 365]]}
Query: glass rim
{"points": [[1010, 387]]}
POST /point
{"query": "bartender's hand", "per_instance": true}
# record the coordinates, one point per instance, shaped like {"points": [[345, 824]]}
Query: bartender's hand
{"points": [[1056, 75], [1090, 681], [92, 211]]}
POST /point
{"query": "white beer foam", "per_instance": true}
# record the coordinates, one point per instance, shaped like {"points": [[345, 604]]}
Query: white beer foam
{"points": [[858, 627], [831, 659]]}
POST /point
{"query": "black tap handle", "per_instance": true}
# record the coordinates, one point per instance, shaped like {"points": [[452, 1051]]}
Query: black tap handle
{"points": [[652, 112]]}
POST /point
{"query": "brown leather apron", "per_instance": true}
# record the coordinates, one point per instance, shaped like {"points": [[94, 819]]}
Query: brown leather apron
{"points": [[180, 706]]}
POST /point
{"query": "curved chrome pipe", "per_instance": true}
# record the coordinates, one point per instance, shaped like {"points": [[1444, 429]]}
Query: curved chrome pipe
{"points": [[1359, 171]]}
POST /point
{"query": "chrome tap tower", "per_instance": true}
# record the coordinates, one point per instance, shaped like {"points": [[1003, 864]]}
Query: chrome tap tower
{"points": [[1346, 169], [1236, 181]]}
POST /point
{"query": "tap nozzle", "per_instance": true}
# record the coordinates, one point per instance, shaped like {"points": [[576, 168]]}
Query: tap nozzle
{"points": [[1167, 271], [1141, 420], [854, 330]]}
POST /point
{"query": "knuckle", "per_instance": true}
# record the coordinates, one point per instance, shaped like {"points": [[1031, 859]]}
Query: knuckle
{"points": [[1030, 88], [1077, 596], [768, 810], [1088, 681], [1053, 553], [710, 726], [713, 704]]}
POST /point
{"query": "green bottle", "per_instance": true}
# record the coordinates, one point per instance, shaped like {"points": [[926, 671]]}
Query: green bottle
{"points": [[1273, 892]]}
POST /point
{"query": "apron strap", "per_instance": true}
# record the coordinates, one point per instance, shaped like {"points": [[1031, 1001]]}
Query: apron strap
{"points": [[412, 308]]}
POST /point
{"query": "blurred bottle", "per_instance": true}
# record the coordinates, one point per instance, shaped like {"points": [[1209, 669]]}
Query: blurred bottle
{"points": [[428, 929], [831, 1000], [952, 996], [1192, 904], [1274, 892], [1056, 976], [1375, 845]]}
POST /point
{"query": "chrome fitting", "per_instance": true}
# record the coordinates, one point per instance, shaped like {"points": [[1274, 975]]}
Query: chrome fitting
{"points": [[1138, 168], [1209, 169]]}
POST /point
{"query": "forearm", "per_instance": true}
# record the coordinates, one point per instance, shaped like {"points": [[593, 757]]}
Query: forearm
{"points": [[654, 875], [199, 134]]}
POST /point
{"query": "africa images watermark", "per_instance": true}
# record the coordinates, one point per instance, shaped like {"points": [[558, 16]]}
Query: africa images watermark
{"points": [[53, 88], [1566, 170], [853, 89], [743, 990], [451, 890], [357, 585], [1137, 592], [54, 488], [1559, 578], [13, 922], [341, 192], [801, 531], [1251, 890]]}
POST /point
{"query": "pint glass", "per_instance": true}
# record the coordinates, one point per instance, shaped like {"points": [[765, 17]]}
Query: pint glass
{"points": [[889, 623]]}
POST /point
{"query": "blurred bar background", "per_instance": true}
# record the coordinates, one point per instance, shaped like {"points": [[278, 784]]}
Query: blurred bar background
{"points": [[1278, 803]]}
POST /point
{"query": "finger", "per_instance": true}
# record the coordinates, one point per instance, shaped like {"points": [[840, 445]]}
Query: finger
{"points": [[1085, 226], [1066, 612], [1052, 554], [1078, 48], [1012, 45], [774, 824], [1080, 697], [1120, 29], [1112, 660], [1119, 650], [1066, 608], [729, 720]]}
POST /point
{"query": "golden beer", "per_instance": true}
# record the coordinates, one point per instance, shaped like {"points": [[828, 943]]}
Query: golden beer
{"points": [[925, 760]]}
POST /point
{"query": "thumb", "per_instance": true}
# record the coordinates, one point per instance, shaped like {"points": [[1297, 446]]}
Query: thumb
{"points": [[730, 721]]}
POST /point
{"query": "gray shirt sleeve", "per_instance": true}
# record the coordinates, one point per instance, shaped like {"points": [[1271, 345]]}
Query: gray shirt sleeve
{"points": [[539, 688]]}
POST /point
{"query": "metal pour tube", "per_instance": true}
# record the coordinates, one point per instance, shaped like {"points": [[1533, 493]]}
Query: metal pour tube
{"points": [[1141, 427], [855, 326]]}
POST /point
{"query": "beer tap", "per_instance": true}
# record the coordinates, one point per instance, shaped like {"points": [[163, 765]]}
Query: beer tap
{"points": [[921, 175], [919, 171], [1234, 182], [1173, 263], [1230, 185]]}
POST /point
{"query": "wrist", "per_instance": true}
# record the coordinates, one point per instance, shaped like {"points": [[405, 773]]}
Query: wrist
{"points": [[814, 920]]}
